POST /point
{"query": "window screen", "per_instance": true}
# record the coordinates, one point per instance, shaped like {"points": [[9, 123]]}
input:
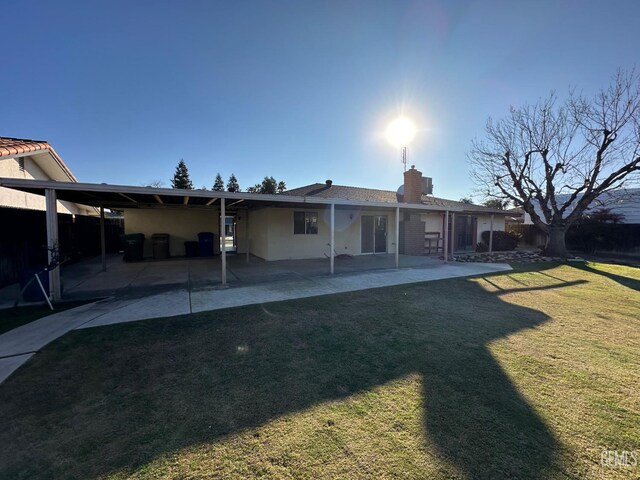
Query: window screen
{"points": [[305, 223]]}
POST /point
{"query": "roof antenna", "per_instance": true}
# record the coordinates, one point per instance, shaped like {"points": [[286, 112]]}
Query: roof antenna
{"points": [[404, 158]]}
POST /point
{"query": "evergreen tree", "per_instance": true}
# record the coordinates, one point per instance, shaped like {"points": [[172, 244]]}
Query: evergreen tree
{"points": [[497, 203], [232, 184], [181, 177], [269, 185], [218, 185]]}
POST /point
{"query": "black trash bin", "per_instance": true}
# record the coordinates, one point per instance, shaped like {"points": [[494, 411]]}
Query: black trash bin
{"points": [[160, 242], [191, 249], [133, 246], [205, 244]]}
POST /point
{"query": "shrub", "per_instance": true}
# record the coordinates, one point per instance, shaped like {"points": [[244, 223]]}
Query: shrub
{"points": [[482, 247], [502, 241]]}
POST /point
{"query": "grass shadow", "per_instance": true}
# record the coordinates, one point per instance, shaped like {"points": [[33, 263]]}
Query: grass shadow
{"points": [[629, 282], [115, 398]]}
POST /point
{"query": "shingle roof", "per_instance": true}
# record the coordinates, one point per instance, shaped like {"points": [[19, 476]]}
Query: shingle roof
{"points": [[624, 201], [345, 192], [19, 146]]}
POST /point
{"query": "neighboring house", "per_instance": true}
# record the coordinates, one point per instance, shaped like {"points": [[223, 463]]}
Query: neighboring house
{"points": [[615, 239], [23, 235], [34, 159], [623, 201]]}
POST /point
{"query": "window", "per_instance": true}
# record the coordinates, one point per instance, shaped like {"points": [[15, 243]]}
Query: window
{"points": [[305, 223]]}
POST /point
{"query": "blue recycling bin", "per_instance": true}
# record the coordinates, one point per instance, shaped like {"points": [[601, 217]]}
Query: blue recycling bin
{"points": [[205, 244]]}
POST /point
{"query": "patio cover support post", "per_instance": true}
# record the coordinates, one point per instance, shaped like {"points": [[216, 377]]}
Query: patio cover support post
{"points": [[103, 248], [333, 246], [446, 236], [491, 234], [246, 229], [52, 243], [397, 237], [223, 243], [453, 235]]}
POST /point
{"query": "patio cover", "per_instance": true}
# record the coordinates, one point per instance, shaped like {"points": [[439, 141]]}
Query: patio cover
{"points": [[102, 195]]}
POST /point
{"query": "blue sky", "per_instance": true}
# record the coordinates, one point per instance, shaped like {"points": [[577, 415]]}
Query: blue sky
{"points": [[298, 90]]}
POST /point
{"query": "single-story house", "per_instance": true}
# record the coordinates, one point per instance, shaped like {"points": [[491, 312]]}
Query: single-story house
{"points": [[315, 221]]}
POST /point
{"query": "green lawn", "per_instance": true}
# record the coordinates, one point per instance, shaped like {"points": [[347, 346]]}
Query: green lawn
{"points": [[524, 374], [11, 318]]}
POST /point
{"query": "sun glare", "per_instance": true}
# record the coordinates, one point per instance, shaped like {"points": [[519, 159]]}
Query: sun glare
{"points": [[401, 131]]}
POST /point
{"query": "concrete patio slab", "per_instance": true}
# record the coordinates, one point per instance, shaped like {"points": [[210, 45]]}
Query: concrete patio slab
{"points": [[166, 304], [209, 299]]}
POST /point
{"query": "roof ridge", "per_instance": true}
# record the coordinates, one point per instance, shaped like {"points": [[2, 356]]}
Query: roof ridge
{"points": [[23, 139]]}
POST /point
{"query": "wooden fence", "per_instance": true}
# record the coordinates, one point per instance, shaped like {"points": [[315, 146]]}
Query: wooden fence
{"points": [[23, 239], [531, 236]]}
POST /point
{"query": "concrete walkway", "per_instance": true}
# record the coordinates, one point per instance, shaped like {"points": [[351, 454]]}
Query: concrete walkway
{"points": [[18, 345]]}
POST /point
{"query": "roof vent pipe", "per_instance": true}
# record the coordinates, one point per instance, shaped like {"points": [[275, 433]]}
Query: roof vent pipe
{"points": [[328, 182]]}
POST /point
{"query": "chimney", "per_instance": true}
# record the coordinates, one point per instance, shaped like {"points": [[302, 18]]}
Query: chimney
{"points": [[413, 185], [328, 183]]}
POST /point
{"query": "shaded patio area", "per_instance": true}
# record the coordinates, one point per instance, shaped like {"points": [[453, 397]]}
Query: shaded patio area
{"points": [[86, 280]]}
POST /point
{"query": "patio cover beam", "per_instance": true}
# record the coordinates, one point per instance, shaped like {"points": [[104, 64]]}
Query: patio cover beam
{"points": [[124, 195], [38, 187]]}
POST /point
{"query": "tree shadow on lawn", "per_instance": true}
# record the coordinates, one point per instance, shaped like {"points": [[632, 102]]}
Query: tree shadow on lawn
{"points": [[632, 283], [115, 398]]}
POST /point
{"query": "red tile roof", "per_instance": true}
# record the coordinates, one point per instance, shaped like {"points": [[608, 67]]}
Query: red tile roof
{"points": [[18, 146]]}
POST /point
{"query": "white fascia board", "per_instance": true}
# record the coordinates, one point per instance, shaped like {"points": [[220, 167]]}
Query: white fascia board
{"points": [[26, 154], [174, 192]]}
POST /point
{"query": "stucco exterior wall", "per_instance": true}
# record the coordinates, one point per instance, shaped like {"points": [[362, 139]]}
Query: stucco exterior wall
{"points": [[258, 232], [432, 222], [272, 237], [10, 167], [182, 224], [270, 230], [241, 231], [484, 224]]}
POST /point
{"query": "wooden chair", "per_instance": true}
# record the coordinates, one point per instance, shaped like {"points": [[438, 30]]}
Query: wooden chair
{"points": [[433, 241]]}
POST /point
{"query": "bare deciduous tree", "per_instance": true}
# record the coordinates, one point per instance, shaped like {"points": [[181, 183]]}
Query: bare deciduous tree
{"points": [[154, 184], [555, 158]]}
